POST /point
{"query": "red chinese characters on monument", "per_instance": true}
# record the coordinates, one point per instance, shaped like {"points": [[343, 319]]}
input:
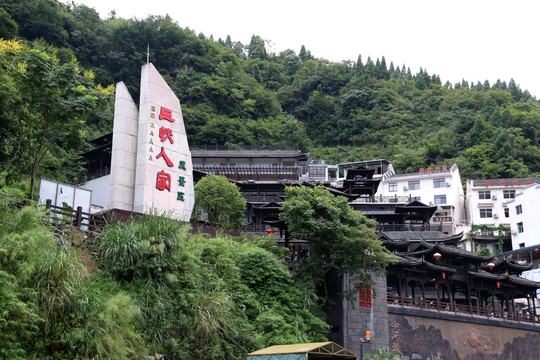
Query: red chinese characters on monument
{"points": [[166, 114], [488, 182], [166, 134], [163, 181], [165, 157]]}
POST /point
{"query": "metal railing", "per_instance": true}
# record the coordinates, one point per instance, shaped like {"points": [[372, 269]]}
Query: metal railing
{"points": [[520, 316]]}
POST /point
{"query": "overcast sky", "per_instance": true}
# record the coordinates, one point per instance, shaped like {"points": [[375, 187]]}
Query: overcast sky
{"points": [[475, 40]]}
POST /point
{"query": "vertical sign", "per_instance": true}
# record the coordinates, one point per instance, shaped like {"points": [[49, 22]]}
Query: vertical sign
{"points": [[164, 179]]}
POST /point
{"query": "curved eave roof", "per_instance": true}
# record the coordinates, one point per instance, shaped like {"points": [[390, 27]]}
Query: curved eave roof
{"points": [[329, 349], [523, 282], [509, 263], [433, 266], [407, 261], [404, 260], [485, 275], [390, 241], [449, 250], [428, 236]]}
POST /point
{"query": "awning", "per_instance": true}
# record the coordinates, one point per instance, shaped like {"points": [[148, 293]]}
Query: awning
{"points": [[326, 350]]}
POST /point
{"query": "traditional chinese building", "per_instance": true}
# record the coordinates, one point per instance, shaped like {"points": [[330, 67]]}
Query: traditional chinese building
{"points": [[439, 186], [260, 164], [145, 164]]}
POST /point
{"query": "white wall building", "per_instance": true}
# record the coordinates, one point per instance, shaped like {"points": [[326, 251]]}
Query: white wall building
{"points": [[524, 210], [438, 186], [487, 200]]}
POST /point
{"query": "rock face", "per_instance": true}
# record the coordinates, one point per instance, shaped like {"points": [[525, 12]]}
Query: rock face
{"points": [[437, 339]]}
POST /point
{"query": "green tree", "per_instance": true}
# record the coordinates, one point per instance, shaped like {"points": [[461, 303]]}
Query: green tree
{"points": [[53, 100], [8, 27], [382, 354], [256, 48], [340, 237], [219, 201]]}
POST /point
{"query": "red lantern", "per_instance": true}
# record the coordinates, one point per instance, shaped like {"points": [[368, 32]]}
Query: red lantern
{"points": [[443, 276], [437, 256], [498, 285], [436, 286], [490, 266], [270, 231]]}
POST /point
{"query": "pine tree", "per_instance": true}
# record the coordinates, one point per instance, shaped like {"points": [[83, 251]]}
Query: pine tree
{"points": [[228, 42], [304, 55]]}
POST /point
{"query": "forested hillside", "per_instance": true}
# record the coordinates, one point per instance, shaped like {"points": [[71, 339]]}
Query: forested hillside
{"points": [[238, 94]]}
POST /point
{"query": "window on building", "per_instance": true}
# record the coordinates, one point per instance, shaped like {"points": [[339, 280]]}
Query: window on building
{"points": [[414, 185], [486, 213], [365, 295], [317, 171], [440, 199], [392, 187], [439, 183], [522, 245], [520, 227], [484, 195], [509, 194], [519, 209], [506, 212]]}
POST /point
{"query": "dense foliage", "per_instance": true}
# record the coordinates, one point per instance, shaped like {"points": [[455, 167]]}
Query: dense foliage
{"points": [[219, 202], [144, 288], [341, 239], [240, 94]]}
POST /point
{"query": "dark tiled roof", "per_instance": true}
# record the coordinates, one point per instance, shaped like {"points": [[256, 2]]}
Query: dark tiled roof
{"points": [[421, 236], [411, 261], [486, 275], [438, 267], [449, 249], [388, 241], [405, 260], [523, 282], [509, 263]]}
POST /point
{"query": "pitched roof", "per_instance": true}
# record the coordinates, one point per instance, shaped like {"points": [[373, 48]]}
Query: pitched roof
{"points": [[429, 236], [447, 249], [509, 263], [329, 349]]}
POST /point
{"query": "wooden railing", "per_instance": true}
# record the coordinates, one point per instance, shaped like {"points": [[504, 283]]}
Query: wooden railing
{"points": [[81, 220], [409, 227], [462, 309]]}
